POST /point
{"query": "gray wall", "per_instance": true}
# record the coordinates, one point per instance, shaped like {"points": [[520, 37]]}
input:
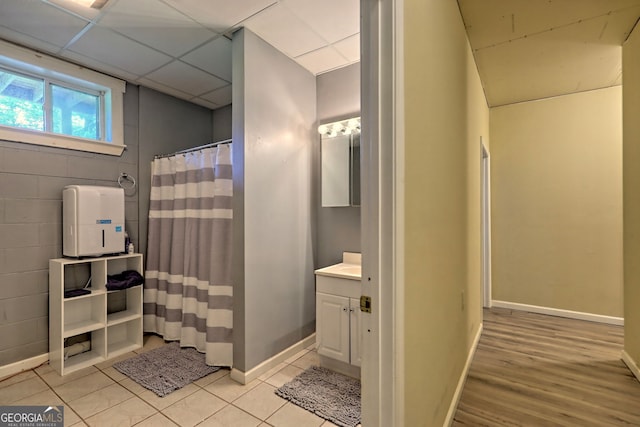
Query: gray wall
{"points": [[338, 97], [31, 183], [222, 123], [167, 125], [274, 114]]}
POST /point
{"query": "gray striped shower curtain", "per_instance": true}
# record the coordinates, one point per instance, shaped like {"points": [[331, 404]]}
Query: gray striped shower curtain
{"points": [[188, 292]]}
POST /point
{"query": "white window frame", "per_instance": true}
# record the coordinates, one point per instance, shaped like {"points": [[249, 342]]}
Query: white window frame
{"points": [[39, 65]]}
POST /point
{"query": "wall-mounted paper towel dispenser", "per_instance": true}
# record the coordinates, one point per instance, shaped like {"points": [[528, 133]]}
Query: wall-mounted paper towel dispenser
{"points": [[92, 220]]}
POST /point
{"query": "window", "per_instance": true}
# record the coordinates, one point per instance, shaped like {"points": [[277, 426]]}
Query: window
{"points": [[46, 101]]}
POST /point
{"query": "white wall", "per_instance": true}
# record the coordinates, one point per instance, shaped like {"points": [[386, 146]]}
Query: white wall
{"points": [[274, 114]]}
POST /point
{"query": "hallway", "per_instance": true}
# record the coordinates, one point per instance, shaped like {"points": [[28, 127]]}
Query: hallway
{"points": [[537, 370]]}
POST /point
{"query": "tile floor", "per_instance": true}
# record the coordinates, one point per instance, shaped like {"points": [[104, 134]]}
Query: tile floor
{"points": [[101, 396]]}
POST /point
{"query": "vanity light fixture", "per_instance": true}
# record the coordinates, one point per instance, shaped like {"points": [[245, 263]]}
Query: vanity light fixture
{"points": [[344, 127]]}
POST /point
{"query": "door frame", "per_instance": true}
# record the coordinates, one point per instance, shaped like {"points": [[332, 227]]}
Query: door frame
{"points": [[485, 196], [382, 210]]}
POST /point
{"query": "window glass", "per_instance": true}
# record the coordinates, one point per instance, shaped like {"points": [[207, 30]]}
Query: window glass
{"points": [[75, 112], [21, 101]]}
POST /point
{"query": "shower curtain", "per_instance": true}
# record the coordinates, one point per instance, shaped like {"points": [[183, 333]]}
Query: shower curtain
{"points": [[188, 292]]}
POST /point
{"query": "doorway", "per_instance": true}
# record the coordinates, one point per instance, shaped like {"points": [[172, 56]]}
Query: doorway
{"points": [[485, 197]]}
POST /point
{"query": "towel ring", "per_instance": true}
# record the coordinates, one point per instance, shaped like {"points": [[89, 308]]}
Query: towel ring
{"points": [[124, 177]]}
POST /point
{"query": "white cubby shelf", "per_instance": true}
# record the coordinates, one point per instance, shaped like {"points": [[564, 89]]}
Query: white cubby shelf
{"points": [[110, 330]]}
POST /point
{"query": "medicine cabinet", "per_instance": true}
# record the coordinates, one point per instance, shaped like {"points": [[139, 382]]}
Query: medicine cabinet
{"points": [[340, 159]]}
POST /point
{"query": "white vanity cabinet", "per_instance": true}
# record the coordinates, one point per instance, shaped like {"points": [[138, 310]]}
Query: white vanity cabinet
{"points": [[111, 321], [338, 316]]}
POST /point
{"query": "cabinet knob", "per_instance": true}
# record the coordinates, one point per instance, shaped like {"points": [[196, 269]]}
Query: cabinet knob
{"points": [[344, 309]]}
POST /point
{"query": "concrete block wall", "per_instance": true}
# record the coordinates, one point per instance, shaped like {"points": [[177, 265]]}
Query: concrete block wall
{"points": [[31, 182]]}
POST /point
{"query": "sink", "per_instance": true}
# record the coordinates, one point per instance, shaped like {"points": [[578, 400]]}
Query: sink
{"points": [[350, 268]]}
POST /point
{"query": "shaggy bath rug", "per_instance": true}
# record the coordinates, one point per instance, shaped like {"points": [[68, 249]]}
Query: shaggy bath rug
{"points": [[166, 369], [329, 395]]}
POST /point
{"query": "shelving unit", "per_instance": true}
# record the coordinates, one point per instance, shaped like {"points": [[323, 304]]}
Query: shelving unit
{"points": [[111, 330]]}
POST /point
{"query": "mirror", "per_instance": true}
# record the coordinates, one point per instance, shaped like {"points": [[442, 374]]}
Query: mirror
{"points": [[340, 158]]}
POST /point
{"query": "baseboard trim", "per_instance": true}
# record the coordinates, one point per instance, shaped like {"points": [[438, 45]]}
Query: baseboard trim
{"points": [[463, 378], [23, 365], [611, 320], [631, 364], [252, 374]]}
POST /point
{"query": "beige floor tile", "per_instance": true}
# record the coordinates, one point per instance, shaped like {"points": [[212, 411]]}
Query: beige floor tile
{"points": [[309, 359], [133, 386], [157, 420], [297, 356], [284, 376], [108, 363], [43, 369], [228, 389], [261, 402], [150, 342], [71, 418], [54, 379], [230, 416], [45, 397], [328, 424], [272, 371], [83, 386], [99, 400], [162, 402], [205, 381], [22, 389], [291, 415], [194, 408], [114, 374], [78, 424], [16, 378], [127, 413]]}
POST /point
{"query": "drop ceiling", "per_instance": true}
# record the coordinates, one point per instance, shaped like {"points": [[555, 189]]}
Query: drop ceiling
{"points": [[524, 49], [534, 49], [183, 47]]}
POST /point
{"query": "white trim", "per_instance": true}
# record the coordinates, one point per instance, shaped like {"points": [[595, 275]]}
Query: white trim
{"points": [[252, 374], [463, 378], [23, 365], [485, 194], [631, 364], [591, 317]]}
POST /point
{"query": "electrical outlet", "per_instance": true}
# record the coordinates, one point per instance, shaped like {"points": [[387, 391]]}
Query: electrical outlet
{"points": [[462, 300]]}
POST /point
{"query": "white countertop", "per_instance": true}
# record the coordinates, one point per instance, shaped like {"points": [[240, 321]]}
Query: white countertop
{"points": [[350, 268]]}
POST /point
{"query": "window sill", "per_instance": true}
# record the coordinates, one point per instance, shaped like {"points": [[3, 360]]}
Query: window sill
{"points": [[60, 141]]}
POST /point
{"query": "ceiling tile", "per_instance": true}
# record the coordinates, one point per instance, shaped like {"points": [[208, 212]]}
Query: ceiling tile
{"points": [[40, 21], [333, 20], [286, 32], [164, 88], [220, 15], [157, 25], [215, 57], [189, 79], [86, 12], [96, 65], [322, 60], [25, 40], [494, 21], [205, 103], [220, 97], [349, 48], [111, 48], [549, 64]]}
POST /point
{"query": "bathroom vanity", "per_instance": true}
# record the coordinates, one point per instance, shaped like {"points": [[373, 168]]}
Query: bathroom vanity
{"points": [[338, 317]]}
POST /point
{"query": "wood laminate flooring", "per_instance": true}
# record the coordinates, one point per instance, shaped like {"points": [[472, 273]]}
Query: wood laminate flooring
{"points": [[536, 370]]}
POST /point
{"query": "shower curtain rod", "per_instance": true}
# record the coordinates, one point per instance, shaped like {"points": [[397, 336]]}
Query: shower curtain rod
{"points": [[188, 150]]}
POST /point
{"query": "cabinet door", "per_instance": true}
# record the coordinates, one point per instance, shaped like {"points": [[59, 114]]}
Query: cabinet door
{"points": [[332, 326], [355, 314]]}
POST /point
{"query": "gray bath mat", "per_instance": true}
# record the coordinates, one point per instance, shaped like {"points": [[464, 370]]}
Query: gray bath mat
{"points": [[166, 369], [329, 395]]}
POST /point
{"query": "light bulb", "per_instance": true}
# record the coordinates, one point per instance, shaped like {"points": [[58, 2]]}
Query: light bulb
{"points": [[322, 129]]}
